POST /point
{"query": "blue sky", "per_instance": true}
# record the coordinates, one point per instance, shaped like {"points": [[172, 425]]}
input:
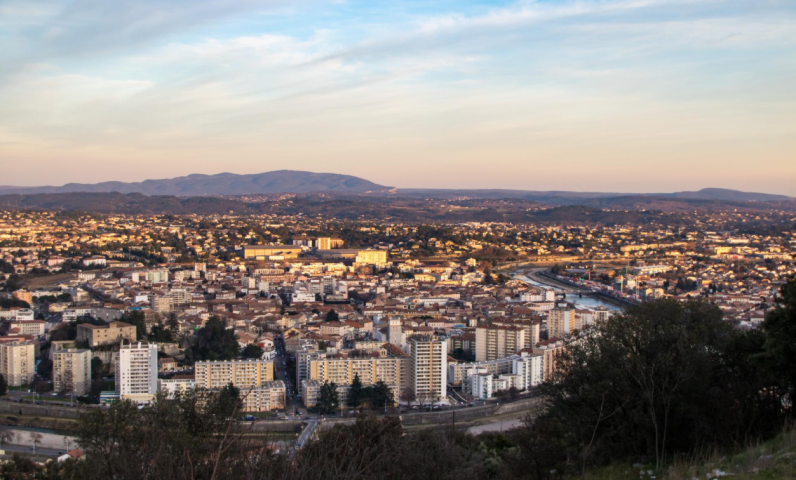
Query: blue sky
{"points": [[606, 95]]}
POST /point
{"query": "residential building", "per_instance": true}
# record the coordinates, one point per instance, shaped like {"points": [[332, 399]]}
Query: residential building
{"points": [[18, 363], [26, 327], [72, 371], [109, 334], [244, 374], [429, 369], [176, 385], [137, 371], [561, 322], [495, 341]]}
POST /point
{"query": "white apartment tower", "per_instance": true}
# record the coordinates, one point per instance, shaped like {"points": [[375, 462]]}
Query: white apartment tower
{"points": [[429, 370], [72, 371], [495, 341], [18, 363], [560, 322], [137, 371]]}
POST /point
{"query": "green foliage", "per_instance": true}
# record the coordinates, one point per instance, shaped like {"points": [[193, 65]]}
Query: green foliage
{"points": [[136, 319], [328, 398], [664, 378], [332, 316], [6, 267], [355, 393], [160, 334], [779, 357], [13, 302], [3, 385], [45, 368], [252, 351], [96, 368], [214, 341]]}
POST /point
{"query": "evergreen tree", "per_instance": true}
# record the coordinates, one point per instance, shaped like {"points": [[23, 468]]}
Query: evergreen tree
{"points": [[381, 396], [332, 316], [214, 341], [3, 385], [252, 351], [355, 393], [328, 399]]}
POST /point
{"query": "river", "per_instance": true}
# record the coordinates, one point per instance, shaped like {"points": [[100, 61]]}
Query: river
{"points": [[586, 301]]}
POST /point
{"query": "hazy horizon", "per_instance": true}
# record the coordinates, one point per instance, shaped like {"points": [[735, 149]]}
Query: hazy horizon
{"points": [[627, 96]]}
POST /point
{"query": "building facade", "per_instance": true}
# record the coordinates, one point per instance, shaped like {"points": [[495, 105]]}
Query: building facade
{"points": [[114, 332], [137, 371], [18, 363], [72, 371], [496, 341], [429, 371]]}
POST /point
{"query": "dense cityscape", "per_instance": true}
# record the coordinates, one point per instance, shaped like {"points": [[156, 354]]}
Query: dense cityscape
{"points": [[315, 321], [403, 240]]}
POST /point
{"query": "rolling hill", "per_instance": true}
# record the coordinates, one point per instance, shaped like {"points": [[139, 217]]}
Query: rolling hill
{"points": [[280, 181]]}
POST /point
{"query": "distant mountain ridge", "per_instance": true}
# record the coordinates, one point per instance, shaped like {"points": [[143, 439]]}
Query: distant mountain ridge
{"points": [[557, 197], [279, 181], [301, 182]]}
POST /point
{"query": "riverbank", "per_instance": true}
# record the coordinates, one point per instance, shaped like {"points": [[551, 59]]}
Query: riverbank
{"points": [[583, 297]]}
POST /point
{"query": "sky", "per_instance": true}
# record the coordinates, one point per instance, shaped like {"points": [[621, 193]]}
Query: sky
{"points": [[592, 95]]}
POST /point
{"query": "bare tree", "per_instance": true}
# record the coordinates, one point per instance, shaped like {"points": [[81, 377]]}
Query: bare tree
{"points": [[408, 395], [35, 437]]}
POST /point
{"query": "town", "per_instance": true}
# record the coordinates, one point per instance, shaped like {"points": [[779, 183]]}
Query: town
{"points": [[316, 317]]}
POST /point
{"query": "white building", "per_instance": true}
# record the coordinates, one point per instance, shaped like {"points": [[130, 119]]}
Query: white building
{"points": [[72, 371], [137, 371], [175, 386], [17, 363], [429, 370]]}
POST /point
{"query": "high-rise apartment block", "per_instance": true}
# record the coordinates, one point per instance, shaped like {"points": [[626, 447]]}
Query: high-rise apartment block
{"points": [[72, 371], [254, 378], [18, 363], [560, 322], [137, 371], [243, 374], [429, 369], [495, 341]]}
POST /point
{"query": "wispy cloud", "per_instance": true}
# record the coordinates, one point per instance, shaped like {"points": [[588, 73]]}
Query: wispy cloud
{"points": [[530, 87]]}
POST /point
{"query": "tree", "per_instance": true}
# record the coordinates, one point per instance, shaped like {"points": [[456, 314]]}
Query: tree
{"points": [[381, 395], [160, 334], [138, 320], [332, 316], [328, 398], [228, 400], [96, 368], [779, 355], [35, 438], [355, 393], [252, 351], [3, 385], [214, 341], [45, 368], [173, 325], [408, 395], [665, 377]]}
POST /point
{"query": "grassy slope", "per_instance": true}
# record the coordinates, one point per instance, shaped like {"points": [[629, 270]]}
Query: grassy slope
{"points": [[772, 460]]}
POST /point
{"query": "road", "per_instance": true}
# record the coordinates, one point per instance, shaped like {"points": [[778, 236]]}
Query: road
{"points": [[47, 452], [533, 274], [500, 426], [306, 434], [292, 404]]}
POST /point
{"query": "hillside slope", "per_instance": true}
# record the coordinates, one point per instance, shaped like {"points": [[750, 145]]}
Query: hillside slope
{"points": [[280, 181]]}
